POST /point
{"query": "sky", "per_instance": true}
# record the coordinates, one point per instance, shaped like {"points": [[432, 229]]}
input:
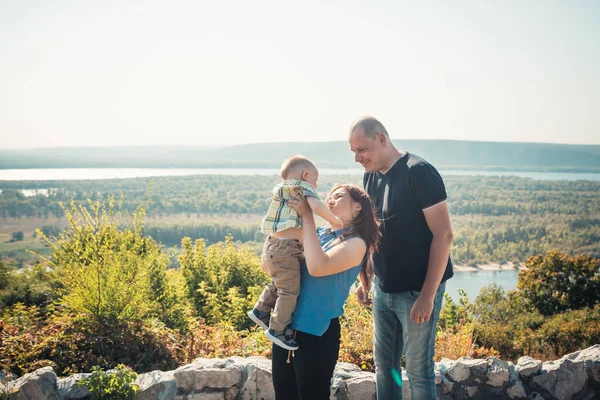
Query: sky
{"points": [[108, 73]]}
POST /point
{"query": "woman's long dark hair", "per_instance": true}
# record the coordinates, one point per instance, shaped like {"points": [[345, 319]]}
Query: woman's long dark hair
{"points": [[364, 225]]}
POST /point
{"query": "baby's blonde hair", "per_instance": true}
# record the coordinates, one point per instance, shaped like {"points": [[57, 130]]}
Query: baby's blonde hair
{"points": [[295, 165]]}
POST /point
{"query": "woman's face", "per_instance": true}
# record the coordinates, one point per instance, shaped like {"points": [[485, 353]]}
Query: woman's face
{"points": [[341, 205]]}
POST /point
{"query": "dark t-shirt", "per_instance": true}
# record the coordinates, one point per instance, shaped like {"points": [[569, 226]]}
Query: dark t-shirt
{"points": [[399, 197]]}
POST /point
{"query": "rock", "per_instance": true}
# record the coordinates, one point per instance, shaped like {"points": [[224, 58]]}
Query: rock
{"points": [[6, 377], [517, 391], [560, 379], [349, 378], [156, 385], [464, 369], [231, 393], [68, 389], [446, 386], [362, 387], [438, 376], [207, 373], [471, 391], [202, 396], [536, 396], [38, 385], [497, 372], [591, 360], [457, 372], [405, 386], [259, 382], [527, 367]]}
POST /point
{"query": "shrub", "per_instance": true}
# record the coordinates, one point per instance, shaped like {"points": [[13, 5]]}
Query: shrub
{"points": [[570, 331], [111, 272], [224, 280], [223, 340], [72, 344], [557, 282], [357, 334], [114, 385]]}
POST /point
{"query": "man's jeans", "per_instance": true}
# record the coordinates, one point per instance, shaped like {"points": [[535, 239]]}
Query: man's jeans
{"points": [[395, 334]]}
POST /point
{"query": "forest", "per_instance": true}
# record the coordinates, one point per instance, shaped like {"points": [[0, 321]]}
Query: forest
{"points": [[495, 219]]}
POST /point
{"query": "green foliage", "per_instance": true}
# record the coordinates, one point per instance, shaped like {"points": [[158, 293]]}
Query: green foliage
{"points": [[556, 282], [110, 271], [211, 232], [105, 270], [72, 344], [112, 385], [223, 280], [30, 286], [357, 334], [493, 218], [17, 236], [452, 314], [571, 331], [4, 276]]}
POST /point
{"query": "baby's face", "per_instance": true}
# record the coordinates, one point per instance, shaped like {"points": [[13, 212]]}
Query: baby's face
{"points": [[311, 176]]}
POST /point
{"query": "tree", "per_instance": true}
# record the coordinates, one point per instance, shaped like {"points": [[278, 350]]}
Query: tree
{"points": [[109, 270], [17, 236], [557, 282]]}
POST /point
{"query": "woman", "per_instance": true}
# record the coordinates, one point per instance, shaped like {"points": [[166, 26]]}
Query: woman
{"points": [[333, 258]]}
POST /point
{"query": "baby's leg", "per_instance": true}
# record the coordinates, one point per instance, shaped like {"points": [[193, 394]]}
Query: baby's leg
{"points": [[284, 266]]}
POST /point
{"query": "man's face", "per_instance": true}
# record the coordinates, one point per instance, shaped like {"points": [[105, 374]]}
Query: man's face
{"points": [[368, 152]]}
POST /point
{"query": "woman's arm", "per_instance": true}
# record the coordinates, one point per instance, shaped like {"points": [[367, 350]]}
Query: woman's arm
{"points": [[341, 257]]}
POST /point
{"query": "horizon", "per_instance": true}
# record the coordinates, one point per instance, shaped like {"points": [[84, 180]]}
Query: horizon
{"points": [[105, 74], [208, 146]]}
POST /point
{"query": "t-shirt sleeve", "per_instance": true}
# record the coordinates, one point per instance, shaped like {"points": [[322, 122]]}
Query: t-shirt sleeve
{"points": [[309, 192], [428, 185]]}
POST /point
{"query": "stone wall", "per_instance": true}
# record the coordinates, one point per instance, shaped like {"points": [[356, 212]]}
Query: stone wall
{"points": [[575, 376]]}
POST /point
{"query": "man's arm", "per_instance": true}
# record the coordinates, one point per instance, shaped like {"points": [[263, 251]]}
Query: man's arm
{"points": [[438, 221], [322, 211]]}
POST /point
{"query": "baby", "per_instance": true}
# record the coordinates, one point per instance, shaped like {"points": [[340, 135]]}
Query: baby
{"points": [[283, 251]]}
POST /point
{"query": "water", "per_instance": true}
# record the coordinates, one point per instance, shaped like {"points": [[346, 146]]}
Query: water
{"points": [[472, 282], [48, 174]]}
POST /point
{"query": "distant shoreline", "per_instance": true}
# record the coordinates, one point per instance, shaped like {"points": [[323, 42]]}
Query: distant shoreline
{"points": [[58, 174], [490, 267]]}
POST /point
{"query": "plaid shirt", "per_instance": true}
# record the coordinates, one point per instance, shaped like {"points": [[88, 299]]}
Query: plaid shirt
{"points": [[281, 216]]}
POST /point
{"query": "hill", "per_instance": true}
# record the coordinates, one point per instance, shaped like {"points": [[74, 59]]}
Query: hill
{"points": [[447, 154]]}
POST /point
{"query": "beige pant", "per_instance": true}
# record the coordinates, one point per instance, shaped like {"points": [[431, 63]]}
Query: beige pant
{"points": [[282, 259]]}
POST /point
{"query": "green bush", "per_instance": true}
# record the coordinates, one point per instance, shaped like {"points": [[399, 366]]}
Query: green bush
{"points": [[570, 331], [75, 343], [114, 385], [556, 282], [224, 280], [111, 272]]}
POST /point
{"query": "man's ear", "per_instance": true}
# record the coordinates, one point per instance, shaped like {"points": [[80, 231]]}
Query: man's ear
{"points": [[382, 139]]}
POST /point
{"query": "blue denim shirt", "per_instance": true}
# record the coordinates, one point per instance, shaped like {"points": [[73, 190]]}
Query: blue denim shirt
{"points": [[322, 298]]}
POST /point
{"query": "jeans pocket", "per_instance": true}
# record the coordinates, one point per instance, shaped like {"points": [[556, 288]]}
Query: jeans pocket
{"points": [[414, 294]]}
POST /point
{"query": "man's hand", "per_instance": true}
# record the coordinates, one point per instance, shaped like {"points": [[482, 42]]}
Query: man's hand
{"points": [[363, 296], [421, 310]]}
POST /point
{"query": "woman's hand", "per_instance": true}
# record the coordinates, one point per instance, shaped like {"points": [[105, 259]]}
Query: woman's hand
{"points": [[299, 203]]}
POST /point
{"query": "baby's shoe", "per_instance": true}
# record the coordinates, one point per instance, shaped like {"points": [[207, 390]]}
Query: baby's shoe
{"points": [[283, 338], [260, 317]]}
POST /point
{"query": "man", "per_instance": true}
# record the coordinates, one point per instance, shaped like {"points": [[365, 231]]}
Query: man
{"points": [[412, 262]]}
